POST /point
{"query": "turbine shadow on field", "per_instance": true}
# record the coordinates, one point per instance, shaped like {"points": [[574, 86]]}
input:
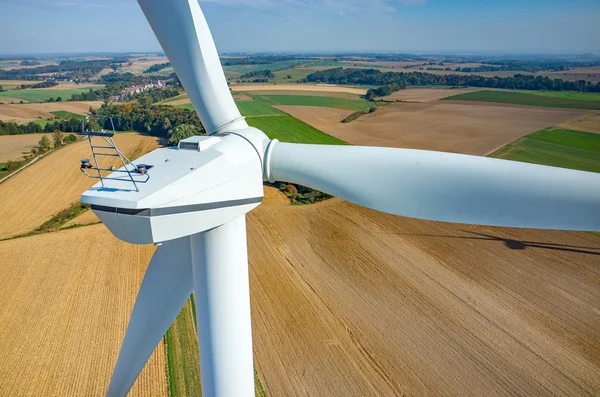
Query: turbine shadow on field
{"points": [[520, 244]]}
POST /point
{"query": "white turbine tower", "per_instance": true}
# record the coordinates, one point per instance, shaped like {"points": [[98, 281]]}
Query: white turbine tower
{"points": [[194, 204]]}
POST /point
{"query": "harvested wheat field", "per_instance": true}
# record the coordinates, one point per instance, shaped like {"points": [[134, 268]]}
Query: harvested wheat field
{"points": [[588, 124], [13, 147], [24, 113], [352, 302], [12, 84], [87, 218], [66, 299], [50, 185], [445, 126], [297, 87], [426, 94]]}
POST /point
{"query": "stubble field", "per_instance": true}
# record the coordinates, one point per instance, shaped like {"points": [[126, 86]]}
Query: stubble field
{"points": [[13, 147], [346, 301], [25, 113], [40, 191], [478, 128], [66, 299]]}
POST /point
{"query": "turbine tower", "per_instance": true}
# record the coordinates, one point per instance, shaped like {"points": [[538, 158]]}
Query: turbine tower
{"points": [[194, 197]]}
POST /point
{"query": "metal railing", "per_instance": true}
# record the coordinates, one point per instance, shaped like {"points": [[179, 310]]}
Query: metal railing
{"points": [[108, 148]]}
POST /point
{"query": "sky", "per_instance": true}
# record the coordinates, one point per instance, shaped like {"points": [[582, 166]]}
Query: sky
{"points": [[414, 26]]}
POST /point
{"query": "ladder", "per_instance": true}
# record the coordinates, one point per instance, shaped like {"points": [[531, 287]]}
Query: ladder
{"points": [[107, 148]]}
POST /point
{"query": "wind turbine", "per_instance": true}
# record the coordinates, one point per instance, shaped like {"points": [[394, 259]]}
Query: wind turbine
{"points": [[194, 203]]}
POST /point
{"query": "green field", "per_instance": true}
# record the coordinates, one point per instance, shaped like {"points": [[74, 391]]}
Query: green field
{"points": [[182, 355], [290, 129], [570, 95], [276, 66], [67, 115], [255, 108], [556, 147], [40, 95], [295, 75], [176, 98], [307, 100], [541, 98]]}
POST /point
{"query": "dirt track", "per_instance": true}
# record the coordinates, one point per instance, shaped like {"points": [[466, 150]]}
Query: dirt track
{"points": [[445, 126], [351, 302], [66, 300]]}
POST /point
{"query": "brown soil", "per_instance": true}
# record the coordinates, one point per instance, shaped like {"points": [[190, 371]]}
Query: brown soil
{"points": [[351, 302], [445, 126], [425, 94], [13, 147], [50, 185], [587, 124], [24, 113], [66, 301]]}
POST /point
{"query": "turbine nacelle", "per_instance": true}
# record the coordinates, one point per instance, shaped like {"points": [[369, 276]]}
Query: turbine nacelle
{"points": [[204, 182]]}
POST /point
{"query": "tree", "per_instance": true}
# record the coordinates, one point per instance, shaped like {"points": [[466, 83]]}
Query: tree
{"points": [[58, 138], [182, 131], [44, 144], [70, 138]]}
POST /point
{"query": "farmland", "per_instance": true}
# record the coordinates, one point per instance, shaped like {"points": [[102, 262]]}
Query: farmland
{"points": [[24, 113], [345, 300], [305, 100], [37, 186], [66, 300], [40, 95], [66, 114], [465, 127], [13, 147], [556, 147], [544, 99], [289, 129]]}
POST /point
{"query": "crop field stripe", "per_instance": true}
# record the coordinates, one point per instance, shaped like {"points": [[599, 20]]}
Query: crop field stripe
{"points": [[182, 355], [519, 98], [255, 108], [66, 114], [290, 129], [306, 100], [556, 147], [40, 95], [571, 95]]}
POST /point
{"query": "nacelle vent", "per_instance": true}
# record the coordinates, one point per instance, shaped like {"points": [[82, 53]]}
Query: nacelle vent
{"points": [[198, 143]]}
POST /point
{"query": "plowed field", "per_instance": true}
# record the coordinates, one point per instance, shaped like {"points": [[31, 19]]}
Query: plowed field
{"points": [[450, 127]]}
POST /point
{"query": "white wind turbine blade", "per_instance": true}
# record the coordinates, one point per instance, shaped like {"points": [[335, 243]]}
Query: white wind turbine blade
{"points": [[183, 34], [443, 186], [166, 287]]}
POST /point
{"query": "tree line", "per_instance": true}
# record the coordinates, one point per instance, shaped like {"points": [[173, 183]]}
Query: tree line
{"points": [[157, 120], [159, 67], [377, 78], [93, 66]]}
